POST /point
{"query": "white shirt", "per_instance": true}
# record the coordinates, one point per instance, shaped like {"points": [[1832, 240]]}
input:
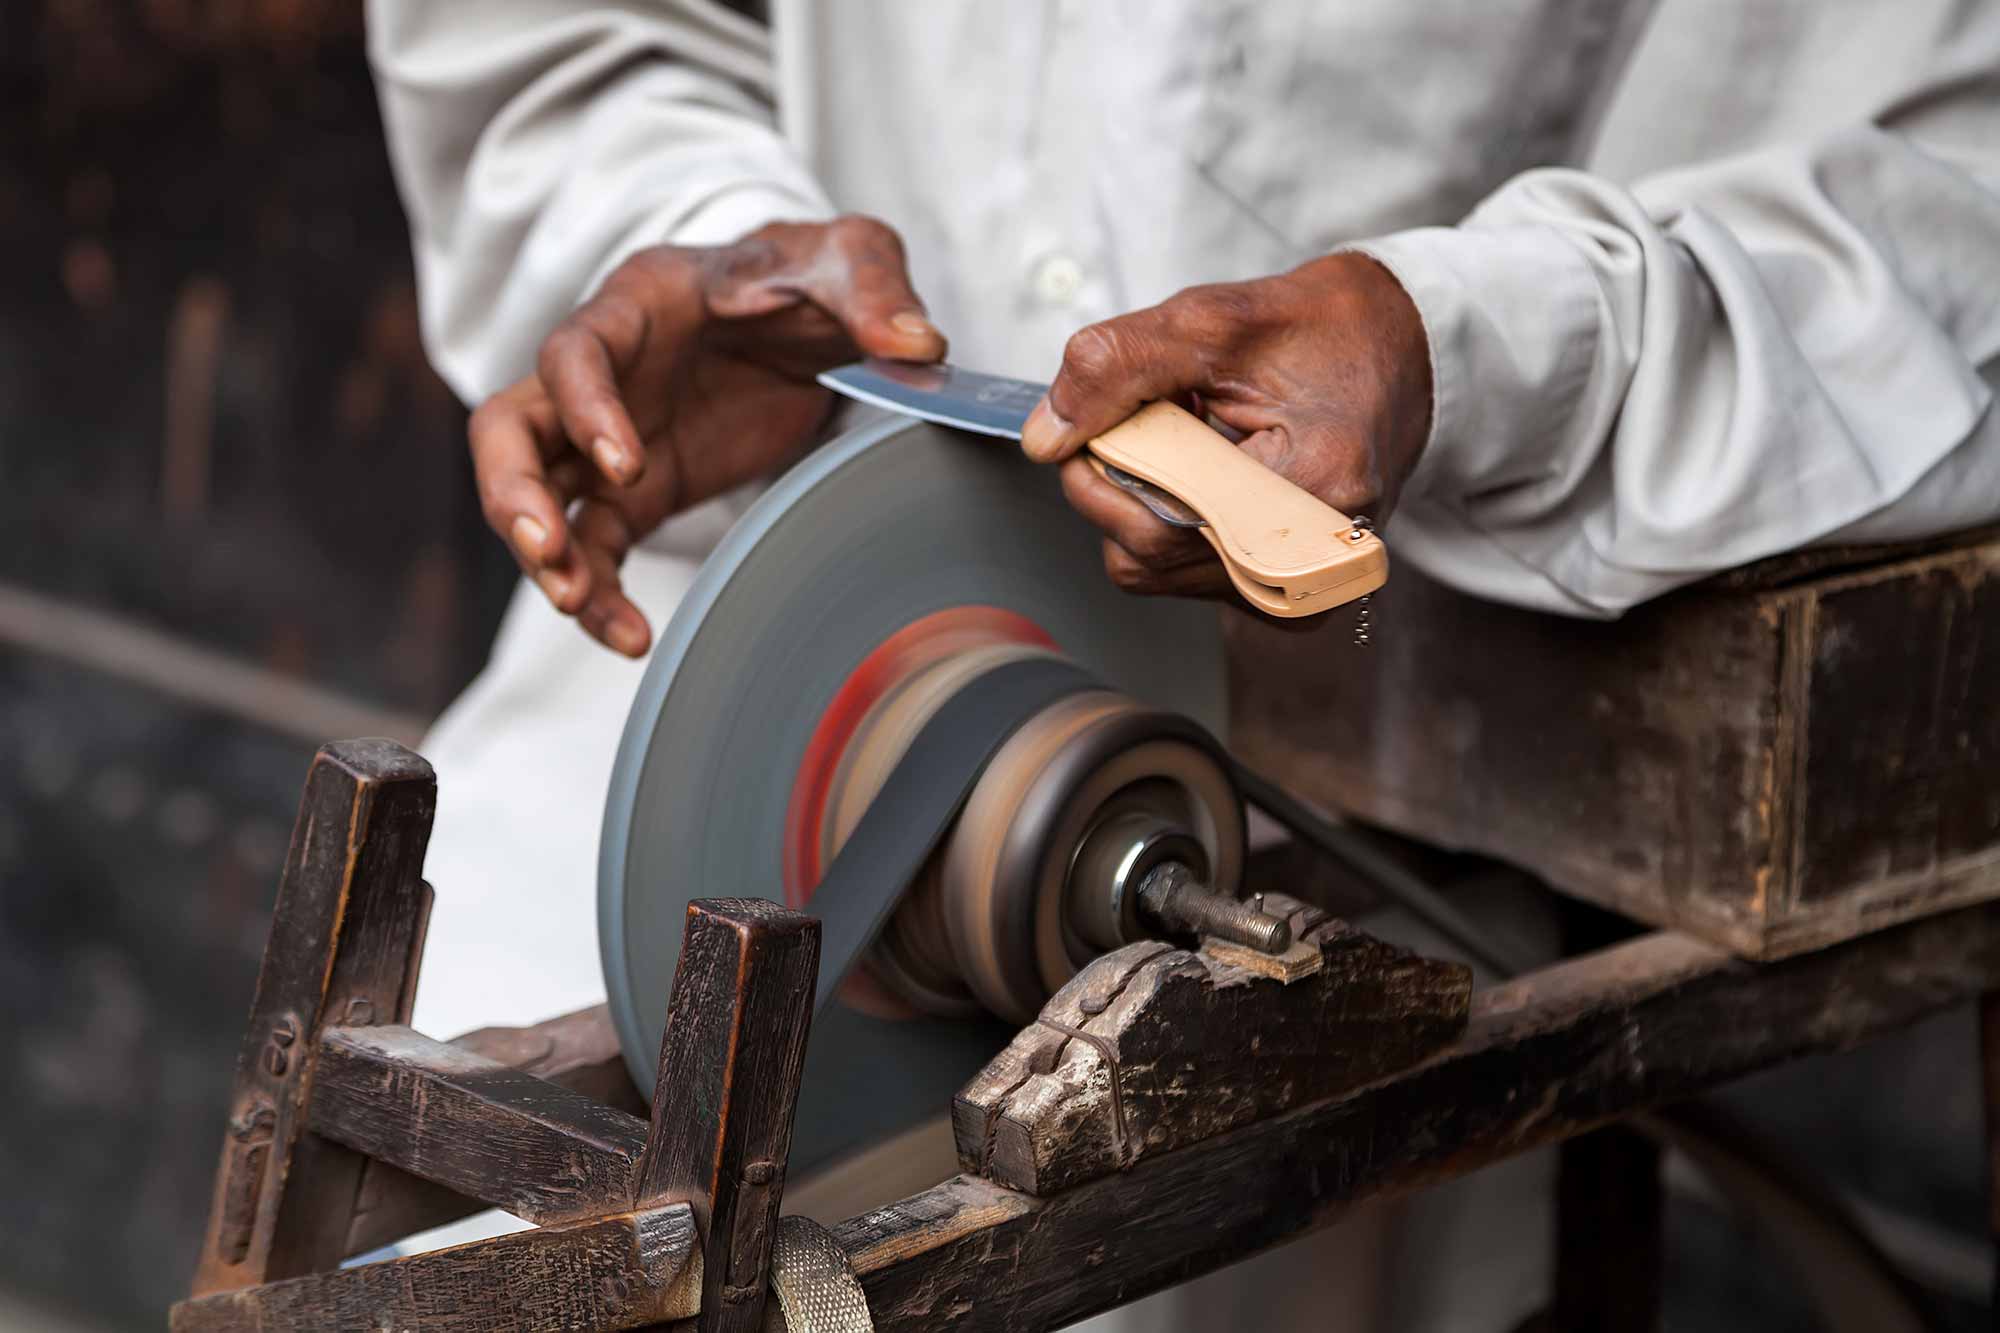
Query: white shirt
{"points": [[1704, 279]]}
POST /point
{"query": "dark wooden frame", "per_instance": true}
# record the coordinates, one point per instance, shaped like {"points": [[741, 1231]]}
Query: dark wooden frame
{"points": [[347, 1129], [375, 1130]]}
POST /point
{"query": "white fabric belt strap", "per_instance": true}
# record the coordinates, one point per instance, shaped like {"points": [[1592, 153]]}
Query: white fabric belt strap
{"points": [[816, 1289]]}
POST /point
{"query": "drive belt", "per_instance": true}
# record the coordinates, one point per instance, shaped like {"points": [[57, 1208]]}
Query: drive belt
{"points": [[919, 800], [814, 1283], [815, 1287]]}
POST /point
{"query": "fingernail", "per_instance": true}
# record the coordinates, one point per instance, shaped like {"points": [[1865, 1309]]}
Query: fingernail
{"points": [[553, 585], [626, 637], [914, 324], [612, 457], [1043, 434], [530, 538]]}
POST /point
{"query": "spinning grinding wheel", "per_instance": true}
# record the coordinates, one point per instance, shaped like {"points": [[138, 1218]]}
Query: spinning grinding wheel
{"points": [[861, 593]]}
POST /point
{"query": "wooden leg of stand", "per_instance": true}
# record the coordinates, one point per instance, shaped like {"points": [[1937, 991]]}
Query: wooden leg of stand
{"points": [[1989, 1071], [345, 938], [730, 1062], [1610, 1208], [1608, 1233]]}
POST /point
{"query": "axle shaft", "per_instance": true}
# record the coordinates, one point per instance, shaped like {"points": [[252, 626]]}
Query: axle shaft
{"points": [[1174, 900]]}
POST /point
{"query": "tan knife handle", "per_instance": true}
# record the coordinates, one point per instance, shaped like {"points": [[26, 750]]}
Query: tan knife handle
{"points": [[1287, 551]]}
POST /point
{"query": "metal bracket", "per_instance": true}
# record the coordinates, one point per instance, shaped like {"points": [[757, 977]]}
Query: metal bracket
{"points": [[1110, 1058]]}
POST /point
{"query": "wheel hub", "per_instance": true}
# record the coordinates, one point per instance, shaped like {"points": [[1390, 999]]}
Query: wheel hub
{"points": [[1038, 875]]}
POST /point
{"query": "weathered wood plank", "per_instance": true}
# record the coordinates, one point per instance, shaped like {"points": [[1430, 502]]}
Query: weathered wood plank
{"points": [[1816, 562], [350, 913], [1151, 1048], [506, 1138], [623, 1271], [730, 1062], [1774, 762], [1535, 749], [1899, 733], [1544, 1058], [578, 1051]]}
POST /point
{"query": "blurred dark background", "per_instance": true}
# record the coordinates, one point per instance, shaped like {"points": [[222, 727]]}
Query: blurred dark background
{"points": [[236, 519]]}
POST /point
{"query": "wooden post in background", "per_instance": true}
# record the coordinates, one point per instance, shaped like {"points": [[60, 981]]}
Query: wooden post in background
{"points": [[730, 1062], [1989, 1085], [1610, 1242], [346, 937], [1610, 1260]]}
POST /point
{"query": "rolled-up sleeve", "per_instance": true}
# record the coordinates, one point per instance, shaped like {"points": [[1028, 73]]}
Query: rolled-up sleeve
{"points": [[539, 142], [1636, 387]]}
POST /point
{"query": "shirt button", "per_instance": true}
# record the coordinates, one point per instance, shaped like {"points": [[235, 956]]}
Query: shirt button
{"points": [[1057, 279]]}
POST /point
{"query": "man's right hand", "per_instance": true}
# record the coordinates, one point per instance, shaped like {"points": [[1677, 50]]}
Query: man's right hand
{"points": [[689, 372]]}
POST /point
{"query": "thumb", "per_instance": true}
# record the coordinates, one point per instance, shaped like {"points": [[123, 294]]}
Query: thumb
{"points": [[901, 335], [852, 269], [862, 279]]}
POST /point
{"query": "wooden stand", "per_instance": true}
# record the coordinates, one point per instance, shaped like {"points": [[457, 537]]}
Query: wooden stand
{"points": [[1171, 1111], [335, 1095]]}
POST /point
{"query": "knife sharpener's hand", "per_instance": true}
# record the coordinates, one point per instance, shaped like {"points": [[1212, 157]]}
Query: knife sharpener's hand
{"points": [[687, 373], [1324, 372], [1286, 552]]}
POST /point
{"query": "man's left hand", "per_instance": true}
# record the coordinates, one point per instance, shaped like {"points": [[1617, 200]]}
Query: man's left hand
{"points": [[1324, 372]]}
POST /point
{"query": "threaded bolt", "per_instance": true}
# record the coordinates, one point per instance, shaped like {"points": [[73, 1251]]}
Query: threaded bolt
{"points": [[1174, 900]]}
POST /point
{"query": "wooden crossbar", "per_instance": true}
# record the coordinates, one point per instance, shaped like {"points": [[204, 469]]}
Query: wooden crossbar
{"points": [[507, 1139]]}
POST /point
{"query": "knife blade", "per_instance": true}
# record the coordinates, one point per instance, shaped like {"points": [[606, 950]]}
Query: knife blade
{"points": [[984, 404]]}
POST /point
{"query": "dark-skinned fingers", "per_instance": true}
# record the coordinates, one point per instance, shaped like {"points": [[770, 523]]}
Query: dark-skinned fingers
{"points": [[1121, 516], [565, 583], [602, 527], [853, 269], [656, 494], [613, 620], [562, 578], [737, 280], [578, 366], [1111, 369], [1332, 464], [760, 426], [510, 435], [604, 537], [1208, 581], [868, 290], [1133, 575], [570, 477]]}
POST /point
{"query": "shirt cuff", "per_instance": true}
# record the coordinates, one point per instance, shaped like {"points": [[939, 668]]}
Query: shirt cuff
{"points": [[1512, 315]]}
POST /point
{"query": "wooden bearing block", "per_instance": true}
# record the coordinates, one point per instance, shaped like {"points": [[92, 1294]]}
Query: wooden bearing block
{"points": [[1152, 1048]]}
